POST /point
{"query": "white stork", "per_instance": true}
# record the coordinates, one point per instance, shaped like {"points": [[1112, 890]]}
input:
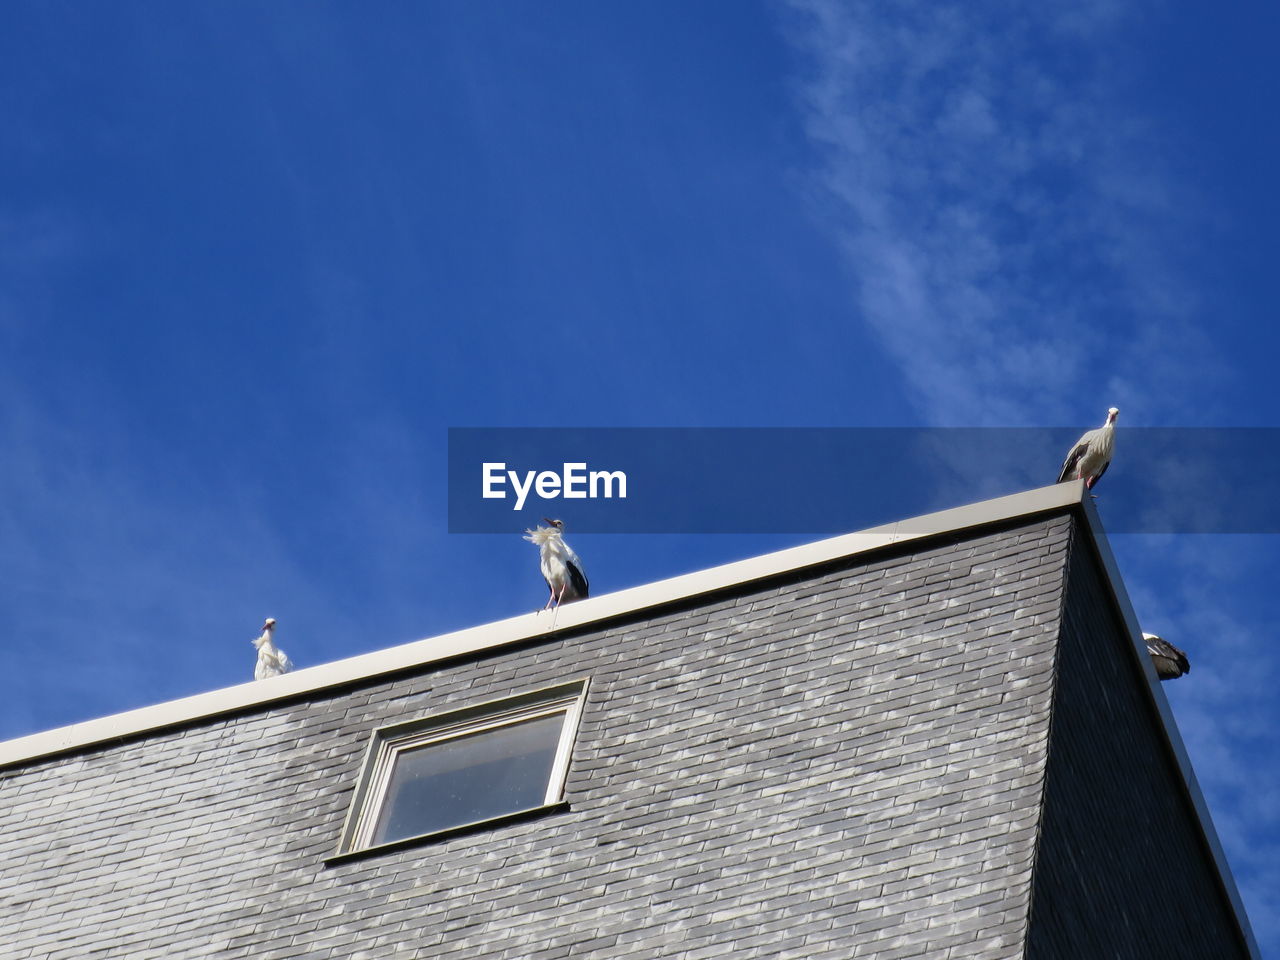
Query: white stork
{"points": [[272, 661], [1090, 457], [1169, 661], [561, 567]]}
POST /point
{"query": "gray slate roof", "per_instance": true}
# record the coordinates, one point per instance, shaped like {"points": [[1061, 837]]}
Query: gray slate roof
{"points": [[838, 751]]}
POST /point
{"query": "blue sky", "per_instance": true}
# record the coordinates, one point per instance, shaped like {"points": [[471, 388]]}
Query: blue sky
{"points": [[256, 259]]}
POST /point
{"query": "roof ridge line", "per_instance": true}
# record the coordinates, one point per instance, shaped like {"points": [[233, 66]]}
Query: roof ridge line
{"points": [[529, 626]]}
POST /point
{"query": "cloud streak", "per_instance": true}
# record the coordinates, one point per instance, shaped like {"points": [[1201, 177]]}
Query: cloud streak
{"points": [[995, 207], [1019, 247]]}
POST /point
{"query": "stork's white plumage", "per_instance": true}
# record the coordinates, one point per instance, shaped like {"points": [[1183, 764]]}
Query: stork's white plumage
{"points": [[272, 661], [1169, 661], [561, 567], [1090, 457]]}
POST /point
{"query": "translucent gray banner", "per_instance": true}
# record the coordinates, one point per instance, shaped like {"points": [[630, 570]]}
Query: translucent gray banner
{"points": [[819, 480]]}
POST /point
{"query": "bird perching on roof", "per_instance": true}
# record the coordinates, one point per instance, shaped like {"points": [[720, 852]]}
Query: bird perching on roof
{"points": [[1170, 662], [561, 567], [1090, 457], [272, 661]]}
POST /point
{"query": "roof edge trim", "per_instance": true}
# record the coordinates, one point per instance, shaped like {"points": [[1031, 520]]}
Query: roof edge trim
{"points": [[1173, 736], [530, 626]]}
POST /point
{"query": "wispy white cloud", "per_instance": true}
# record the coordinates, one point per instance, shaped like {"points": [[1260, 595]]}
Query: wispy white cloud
{"points": [[1018, 246], [119, 588], [996, 208], [136, 574]]}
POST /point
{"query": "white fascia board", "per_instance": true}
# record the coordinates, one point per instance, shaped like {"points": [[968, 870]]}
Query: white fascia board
{"points": [[529, 626]]}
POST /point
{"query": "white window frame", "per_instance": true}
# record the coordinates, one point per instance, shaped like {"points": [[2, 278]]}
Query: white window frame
{"points": [[388, 743]]}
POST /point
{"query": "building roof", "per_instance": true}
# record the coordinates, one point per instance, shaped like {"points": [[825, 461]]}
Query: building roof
{"points": [[598, 611], [531, 626]]}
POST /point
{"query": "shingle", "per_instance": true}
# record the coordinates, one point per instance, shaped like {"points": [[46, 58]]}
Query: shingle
{"points": [[797, 768]]}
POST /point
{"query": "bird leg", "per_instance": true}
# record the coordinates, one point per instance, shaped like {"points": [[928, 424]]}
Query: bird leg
{"points": [[553, 600], [555, 613]]}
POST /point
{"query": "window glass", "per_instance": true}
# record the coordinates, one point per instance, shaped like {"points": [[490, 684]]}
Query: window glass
{"points": [[469, 778], [464, 767]]}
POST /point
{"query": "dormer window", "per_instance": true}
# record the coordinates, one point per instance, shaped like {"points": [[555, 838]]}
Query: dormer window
{"points": [[464, 768]]}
